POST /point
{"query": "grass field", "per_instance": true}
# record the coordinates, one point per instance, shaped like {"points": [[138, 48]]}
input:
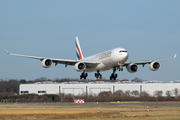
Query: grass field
{"points": [[68, 112]]}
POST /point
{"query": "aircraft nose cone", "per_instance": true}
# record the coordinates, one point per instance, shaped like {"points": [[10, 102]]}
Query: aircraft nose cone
{"points": [[126, 56]]}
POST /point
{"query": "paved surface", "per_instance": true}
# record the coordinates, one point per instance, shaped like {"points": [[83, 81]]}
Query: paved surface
{"points": [[101, 104]]}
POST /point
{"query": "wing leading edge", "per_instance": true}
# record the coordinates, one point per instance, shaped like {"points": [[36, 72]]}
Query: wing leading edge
{"points": [[57, 61], [148, 61]]}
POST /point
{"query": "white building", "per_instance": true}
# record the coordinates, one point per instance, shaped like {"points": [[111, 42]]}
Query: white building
{"points": [[76, 88]]}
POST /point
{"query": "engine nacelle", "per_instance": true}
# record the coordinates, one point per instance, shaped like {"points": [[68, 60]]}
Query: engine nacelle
{"points": [[80, 66], [46, 63], [154, 66], [132, 68]]}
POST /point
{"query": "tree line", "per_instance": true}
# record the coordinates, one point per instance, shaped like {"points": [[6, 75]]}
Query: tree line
{"points": [[105, 96]]}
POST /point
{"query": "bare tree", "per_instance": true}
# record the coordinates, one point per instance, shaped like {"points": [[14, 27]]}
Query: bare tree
{"points": [[119, 93], [127, 93], [67, 98], [168, 93], [176, 92], [41, 79], [135, 93], [9, 87], [105, 94], [158, 93], [144, 94]]}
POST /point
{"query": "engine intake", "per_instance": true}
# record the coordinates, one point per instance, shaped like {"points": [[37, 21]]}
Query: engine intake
{"points": [[132, 68], [46, 63], [80, 66], [154, 66]]}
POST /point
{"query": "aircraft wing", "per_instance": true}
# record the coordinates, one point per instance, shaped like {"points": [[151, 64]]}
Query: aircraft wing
{"points": [[147, 61], [73, 62], [58, 61]]}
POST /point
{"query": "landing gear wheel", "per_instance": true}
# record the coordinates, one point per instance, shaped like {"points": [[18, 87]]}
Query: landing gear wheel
{"points": [[113, 75], [98, 75], [83, 75], [116, 75], [86, 74]]}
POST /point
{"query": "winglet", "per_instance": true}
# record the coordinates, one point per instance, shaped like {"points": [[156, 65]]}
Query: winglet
{"points": [[175, 56], [6, 51]]}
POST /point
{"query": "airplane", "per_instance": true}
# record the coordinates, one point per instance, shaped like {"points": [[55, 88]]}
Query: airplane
{"points": [[114, 59]]}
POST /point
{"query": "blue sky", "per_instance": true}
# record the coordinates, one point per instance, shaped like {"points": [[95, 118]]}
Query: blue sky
{"points": [[147, 29]]}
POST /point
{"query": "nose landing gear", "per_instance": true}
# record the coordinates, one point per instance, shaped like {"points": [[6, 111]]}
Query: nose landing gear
{"points": [[113, 75]]}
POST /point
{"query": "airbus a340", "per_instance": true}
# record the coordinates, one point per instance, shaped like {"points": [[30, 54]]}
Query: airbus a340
{"points": [[114, 59]]}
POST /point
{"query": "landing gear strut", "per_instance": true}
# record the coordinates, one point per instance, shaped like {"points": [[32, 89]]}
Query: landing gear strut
{"points": [[113, 75], [98, 75], [120, 68], [83, 75]]}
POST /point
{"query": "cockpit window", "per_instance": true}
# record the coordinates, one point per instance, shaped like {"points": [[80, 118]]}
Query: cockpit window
{"points": [[122, 51]]}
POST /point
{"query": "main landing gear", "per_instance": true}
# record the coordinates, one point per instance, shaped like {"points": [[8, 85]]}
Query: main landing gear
{"points": [[113, 75], [98, 75], [83, 75]]}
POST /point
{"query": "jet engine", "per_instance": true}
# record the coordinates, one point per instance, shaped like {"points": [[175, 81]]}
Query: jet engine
{"points": [[132, 68], [80, 66], [46, 63], [154, 66]]}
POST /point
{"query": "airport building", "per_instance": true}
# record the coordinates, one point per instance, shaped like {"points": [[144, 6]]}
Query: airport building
{"points": [[80, 88]]}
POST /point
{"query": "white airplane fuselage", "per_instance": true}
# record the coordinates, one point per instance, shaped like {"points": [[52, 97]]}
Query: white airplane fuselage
{"points": [[107, 59]]}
